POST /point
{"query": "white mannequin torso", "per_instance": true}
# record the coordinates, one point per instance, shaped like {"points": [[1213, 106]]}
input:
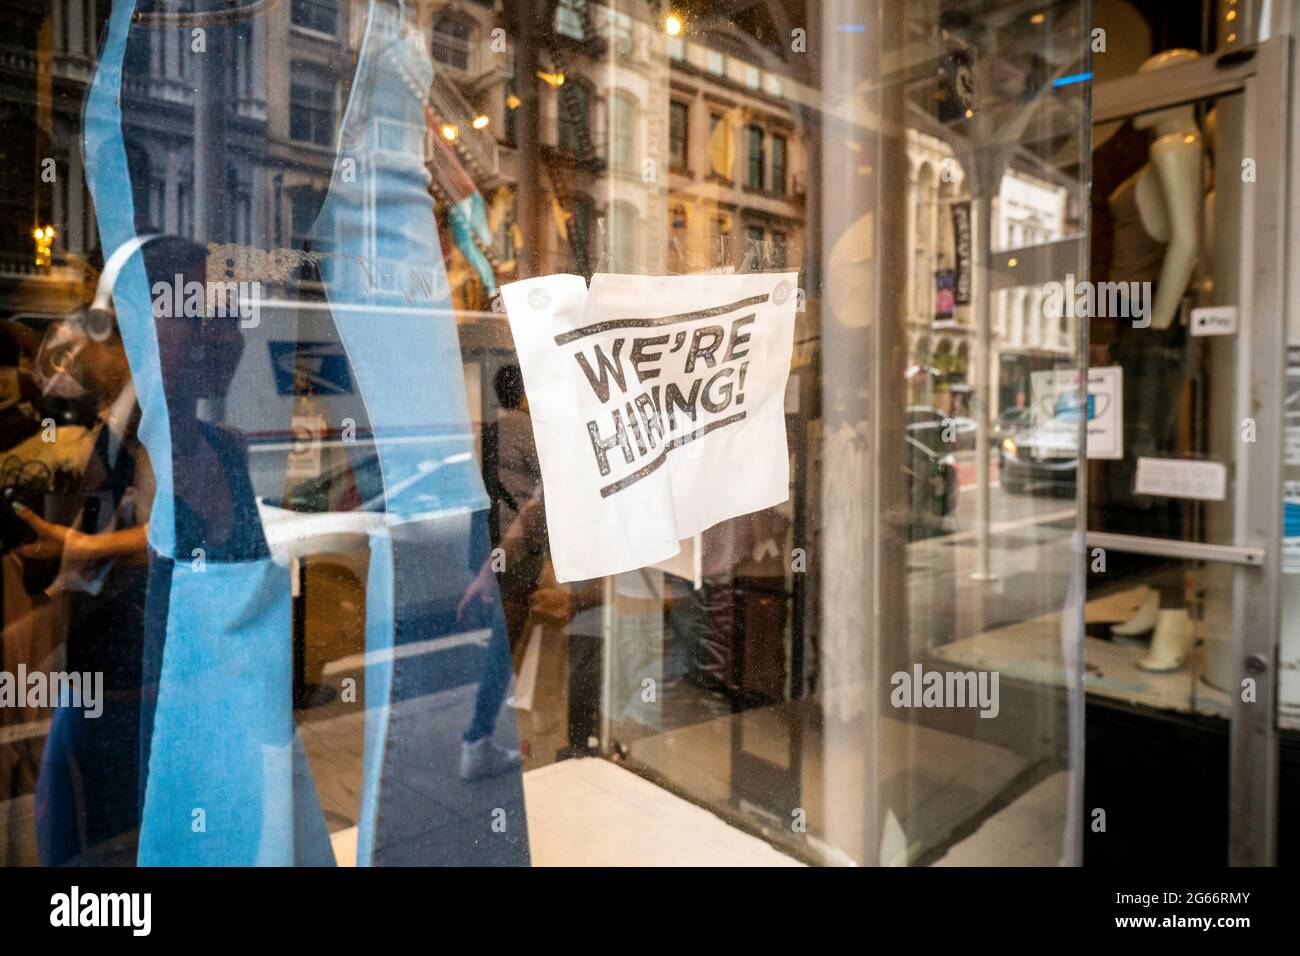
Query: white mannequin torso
{"points": [[1167, 192]]}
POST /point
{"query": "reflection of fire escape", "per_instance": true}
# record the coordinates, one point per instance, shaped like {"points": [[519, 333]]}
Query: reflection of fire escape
{"points": [[563, 160], [476, 149], [442, 181]]}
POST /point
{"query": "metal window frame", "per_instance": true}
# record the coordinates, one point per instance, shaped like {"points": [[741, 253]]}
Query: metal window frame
{"points": [[1261, 75]]}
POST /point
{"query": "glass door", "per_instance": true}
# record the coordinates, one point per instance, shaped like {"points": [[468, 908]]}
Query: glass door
{"points": [[1184, 503]]}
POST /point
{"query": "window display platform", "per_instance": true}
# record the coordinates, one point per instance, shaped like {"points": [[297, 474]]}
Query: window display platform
{"points": [[1021, 651], [944, 783]]}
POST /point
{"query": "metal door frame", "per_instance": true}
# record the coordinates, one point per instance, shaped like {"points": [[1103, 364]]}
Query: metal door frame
{"points": [[1260, 74]]}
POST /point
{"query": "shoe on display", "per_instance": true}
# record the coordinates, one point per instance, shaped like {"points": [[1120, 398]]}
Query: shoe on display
{"points": [[483, 758], [1171, 642], [1141, 622]]}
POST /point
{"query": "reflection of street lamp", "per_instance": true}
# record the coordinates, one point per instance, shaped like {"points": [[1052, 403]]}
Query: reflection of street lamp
{"points": [[449, 132], [44, 236], [673, 25], [480, 121], [555, 79]]}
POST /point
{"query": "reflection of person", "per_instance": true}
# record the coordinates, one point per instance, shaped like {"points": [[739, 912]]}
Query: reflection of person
{"points": [[216, 711], [480, 756], [227, 778], [88, 791], [510, 473], [532, 599], [518, 469], [513, 476], [27, 638], [542, 616]]}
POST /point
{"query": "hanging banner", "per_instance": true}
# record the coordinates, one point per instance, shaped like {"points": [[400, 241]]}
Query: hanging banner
{"points": [[943, 299], [961, 245], [658, 407]]}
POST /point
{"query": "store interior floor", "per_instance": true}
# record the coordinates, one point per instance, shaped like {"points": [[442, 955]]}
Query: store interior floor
{"points": [[593, 811]]}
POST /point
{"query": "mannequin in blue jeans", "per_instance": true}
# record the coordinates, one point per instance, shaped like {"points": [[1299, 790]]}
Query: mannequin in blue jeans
{"points": [[226, 778]]}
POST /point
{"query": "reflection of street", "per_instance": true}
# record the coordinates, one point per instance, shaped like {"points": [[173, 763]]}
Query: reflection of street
{"points": [[1003, 505], [1029, 552]]}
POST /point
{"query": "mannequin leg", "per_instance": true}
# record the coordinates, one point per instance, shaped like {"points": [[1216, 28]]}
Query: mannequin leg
{"points": [[387, 287]]}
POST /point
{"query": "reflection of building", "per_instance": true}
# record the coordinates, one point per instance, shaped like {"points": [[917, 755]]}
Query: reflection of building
{"points": [[938, 339], [43, 74], [283, 76], [737, 170], [1027, 211], [683, 158]]}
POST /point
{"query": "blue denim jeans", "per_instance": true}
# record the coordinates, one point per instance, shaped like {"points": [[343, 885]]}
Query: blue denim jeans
{"points": [[226, 776]]}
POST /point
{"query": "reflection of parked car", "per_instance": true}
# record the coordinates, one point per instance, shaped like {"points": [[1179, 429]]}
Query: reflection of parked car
{"points": [[1010, 421], [938, 430], [295, 527], [1043, 456], [931, 479]]}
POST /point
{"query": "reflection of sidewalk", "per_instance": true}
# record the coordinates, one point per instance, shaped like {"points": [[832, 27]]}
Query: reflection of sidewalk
{"points": [[590, 812]]}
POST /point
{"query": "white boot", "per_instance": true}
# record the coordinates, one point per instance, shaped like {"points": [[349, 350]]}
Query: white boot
{"points": [[1171, 643], [1141, 622]]}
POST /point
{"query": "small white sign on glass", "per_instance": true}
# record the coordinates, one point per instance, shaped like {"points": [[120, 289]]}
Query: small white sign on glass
{"points": [[1106, 412], [1182, 478], [1214, 320]]}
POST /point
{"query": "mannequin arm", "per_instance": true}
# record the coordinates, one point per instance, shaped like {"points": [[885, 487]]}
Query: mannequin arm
{"points": [[1177, 165]]}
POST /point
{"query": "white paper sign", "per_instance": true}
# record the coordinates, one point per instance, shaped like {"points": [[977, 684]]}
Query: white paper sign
{"points": [[1106, 412], [657, 405], [1182, 478]]}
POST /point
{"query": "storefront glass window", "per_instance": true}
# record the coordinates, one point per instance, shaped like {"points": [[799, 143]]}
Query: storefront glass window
{"points": [[277, 468]]}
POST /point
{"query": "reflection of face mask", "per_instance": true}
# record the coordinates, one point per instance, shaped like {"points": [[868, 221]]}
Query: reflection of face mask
{"points": [[61, 385], [57, 353]]}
